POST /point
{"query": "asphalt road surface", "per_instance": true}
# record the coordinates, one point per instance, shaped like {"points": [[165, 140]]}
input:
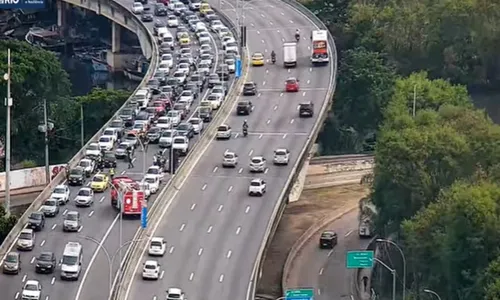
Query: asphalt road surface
{"points": [[214, 229], [100, 224]]}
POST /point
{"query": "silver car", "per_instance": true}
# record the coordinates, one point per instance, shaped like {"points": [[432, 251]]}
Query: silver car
{"points": [[85, 197], [121, 150], [229, 160], [50, 207], [71, 221]]}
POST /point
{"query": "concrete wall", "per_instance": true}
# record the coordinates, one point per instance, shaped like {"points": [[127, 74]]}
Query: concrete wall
{"points": [[26, 178]]}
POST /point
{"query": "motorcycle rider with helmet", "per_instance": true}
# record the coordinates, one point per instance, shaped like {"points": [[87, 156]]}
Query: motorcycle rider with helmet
{"points": [[273, 56], [297, 34]]}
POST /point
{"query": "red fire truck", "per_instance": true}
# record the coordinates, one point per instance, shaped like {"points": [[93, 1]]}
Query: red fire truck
{"points": [[124, 185]]}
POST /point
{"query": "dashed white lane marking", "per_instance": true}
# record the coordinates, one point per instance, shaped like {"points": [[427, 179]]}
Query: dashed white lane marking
{"points": [[171, 250], [319, 291], [264, 83], [284, 136], [46, 297], [289, 71], [252, 24], [271, 23], [221, 278], [182, 227], [330, 253], [238, 230], [349, 233], [200, 251], [161, 274], [303, 94], [91, 213], [298, 107], [228, 255], [123, 172], [88, 183], [291, 121], [259, 94], [262, 15], [282, 39], [155, 298], [310, 69], [260, 136], [281, 94], [308, 81], [204, 187], [258, 32], [220, 208], [42, 243], [275, 107], [230, 189], [102, 199], [278, 30], [193, 206], [240, 171], [32, 260], [247, 209], [263, 41], [54, 226], [215, 169], [17, 296], [65, 212], [53, 281], [191, 276], [250, 153], [282, 13], [210, 229], [266, 170], [24, 278], [268, 121], [236, 135], [321, 271], [291, 22], [80, 229], [267, 72]]}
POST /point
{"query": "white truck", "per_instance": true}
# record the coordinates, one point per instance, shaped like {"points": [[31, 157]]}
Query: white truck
{"points": [[367, 213], [319, 53], [290, 55]]}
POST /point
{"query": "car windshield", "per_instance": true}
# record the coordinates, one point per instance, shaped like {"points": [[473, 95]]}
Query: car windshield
{"points": [[25, 236], [75, 171], [123, 146], [194, 121], [203, 66], [212, 98], [217, 91], [242, 103], [150, 180], [248, 85], [153, 171], [280, 152], [179, 74], [174, 295], [163, 121], [150, 267], [84, 163], [163, 66], [172, 114], [45, 257], [182, 127], [150, 110], [166, 134], [178, 141], [256, 160], [104, 139], [50, 203], [126, 112], [71, 217], [255, 183], [116, 124], [291, 81], [108, 132], [31, 287], [36, 216], [229, 155], [204, 109], [222, 128], [84, 192], [158, 104], [154, 130], [98, 179], [186, 94], [59, 190], [138, 126], [11, 258], [93, 147], [156, 244], [69, 260], [130, 137]]}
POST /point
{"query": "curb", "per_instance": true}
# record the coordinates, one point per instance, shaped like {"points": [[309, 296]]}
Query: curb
{"points": [[305, 237]]}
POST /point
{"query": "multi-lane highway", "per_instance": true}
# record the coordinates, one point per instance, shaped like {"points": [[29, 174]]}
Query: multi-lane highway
{"points": [[100, 229], [325, 270], [214, 229]]}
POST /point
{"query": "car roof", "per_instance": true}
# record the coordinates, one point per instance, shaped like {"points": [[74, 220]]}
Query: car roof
{"points": [[281, 149], [32, 282], [85, 188], [258, 157], [27, 230], [157, 239], [61, 186], [174, 291], [72, 213], [257, 180], [151, 262]]}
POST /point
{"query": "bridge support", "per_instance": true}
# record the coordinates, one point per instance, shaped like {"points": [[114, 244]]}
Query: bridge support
{"points": [[62, 11], [114, 59]]}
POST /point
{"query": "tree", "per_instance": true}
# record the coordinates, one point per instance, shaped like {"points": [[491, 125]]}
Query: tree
{"points": [[6, 223], [364, 88], [453, 240]]}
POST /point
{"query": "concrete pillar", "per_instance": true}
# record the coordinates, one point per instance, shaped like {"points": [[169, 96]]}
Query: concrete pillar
{"points": [[115, 37], [61, 14]]}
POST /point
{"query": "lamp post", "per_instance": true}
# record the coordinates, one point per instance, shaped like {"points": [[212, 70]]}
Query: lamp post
{"points": [[45, 128], [144, 157], [8, 104], [111, 258], [433, 293], [404, 261], [393, 272]]}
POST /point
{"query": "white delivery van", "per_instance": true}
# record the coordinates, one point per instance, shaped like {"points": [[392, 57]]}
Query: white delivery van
{"points": [[290, 54], [162, 32], [71, 265]]}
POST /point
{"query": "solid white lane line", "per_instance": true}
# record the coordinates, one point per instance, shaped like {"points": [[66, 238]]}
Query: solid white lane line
{"points": [[182, 227], [54, 226], [193, 206], [204, 187], [228, 255], [247, 209], [191, 276], [200, 251], [209, 229], [220, 208], [171, 250], [238, 230], [42, 243]]}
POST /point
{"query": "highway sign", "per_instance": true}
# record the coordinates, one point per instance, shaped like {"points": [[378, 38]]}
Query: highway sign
{"points": [[359, 259], [238, 68], [299, 294], [144, 217]]}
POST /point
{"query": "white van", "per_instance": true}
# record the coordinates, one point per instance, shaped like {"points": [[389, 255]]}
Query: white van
{"points": [[161, 32], [200, 26], [71, 265], [142, 97], [168, 39]]}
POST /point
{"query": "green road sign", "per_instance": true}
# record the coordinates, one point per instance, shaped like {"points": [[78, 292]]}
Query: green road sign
{"points": [[299, 294], [359, 259]]}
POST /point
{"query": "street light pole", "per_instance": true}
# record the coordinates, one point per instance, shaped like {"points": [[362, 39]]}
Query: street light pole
{"points": [[433, 293], [8, 103], [393, 272], [46, 134], [82, 128], [404, 261]]}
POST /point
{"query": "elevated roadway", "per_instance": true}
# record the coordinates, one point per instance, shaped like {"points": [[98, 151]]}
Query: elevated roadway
{"points": [[100, 232], [214, 230]]}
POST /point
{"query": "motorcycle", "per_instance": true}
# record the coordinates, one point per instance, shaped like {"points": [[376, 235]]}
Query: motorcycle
{"points": [[273, 59], [297, 37], [245, 132]]}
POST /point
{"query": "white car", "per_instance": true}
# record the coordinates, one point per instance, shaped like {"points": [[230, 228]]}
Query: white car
{"points": [[167, 59], [61, 193], [219, 91], [186, 103], [183, 67], [137, 8], [229, 160], [216, 25], [180, 76], [106, 142], [85, 197], [93, 150], [197, 124], [155, 171], [257, 187], [231, 65], [187, 95], [175, 117], [164, 67], [215, 100], [257, 164], [231, 47], [164, 123], [112, 132], [281, 156], [205, 48], [224, 31], [223, 132], [175, 294], [227, 39], [88, 166], [144, 186], [172, 3], [151, 270], [172, 21], [203, 37], [32, 290], [153, 182], [203, 68], [181, 143], [157, 246], [166, 138]]}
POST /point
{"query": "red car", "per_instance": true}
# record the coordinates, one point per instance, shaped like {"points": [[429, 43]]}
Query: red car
{"points": [[160, 107], [166, 2], [292, 85]]}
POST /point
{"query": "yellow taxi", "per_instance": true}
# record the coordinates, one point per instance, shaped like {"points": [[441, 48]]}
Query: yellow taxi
{"points": [[99, 182], [184, 39], [257, 59], [204, 8]]}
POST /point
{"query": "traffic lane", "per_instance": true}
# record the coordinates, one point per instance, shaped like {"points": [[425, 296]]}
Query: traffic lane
{"points": [[336, 278], [309, 267]]}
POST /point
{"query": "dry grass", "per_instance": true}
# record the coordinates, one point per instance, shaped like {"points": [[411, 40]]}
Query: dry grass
{"points": [[298, 217]]}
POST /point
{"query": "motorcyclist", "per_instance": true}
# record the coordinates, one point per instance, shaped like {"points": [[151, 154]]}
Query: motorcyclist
{"points": [[111, 173], [273, 56], [245, 126], [297, 34]]}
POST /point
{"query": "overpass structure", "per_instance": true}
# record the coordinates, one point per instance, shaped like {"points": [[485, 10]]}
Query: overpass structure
{"points": [[216, 235]]}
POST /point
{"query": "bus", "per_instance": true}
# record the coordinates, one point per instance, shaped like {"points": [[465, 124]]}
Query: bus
{"points": [[319, 53]]}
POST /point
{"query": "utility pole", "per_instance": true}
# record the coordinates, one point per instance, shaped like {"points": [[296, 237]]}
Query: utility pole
{"points": [[46, 133], [82, 131], [8, 103]]}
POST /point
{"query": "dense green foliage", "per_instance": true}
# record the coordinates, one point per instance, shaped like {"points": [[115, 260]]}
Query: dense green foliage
{"points": [[38, 75], [6, 223]]}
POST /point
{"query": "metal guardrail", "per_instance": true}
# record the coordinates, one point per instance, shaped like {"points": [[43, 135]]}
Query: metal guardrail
{"points": [[320, 160], [14, 232], [304, 154]]}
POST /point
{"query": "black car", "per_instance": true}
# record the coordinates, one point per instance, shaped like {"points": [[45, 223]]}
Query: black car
{"points": [[109, 159], [244, 108], [249, 89], [160, 9], [186, 129], [36, 220], [205, 113], [76, 176], [306, 109], [147, 17], [46, 262], [328, 240], [154, 135]]}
